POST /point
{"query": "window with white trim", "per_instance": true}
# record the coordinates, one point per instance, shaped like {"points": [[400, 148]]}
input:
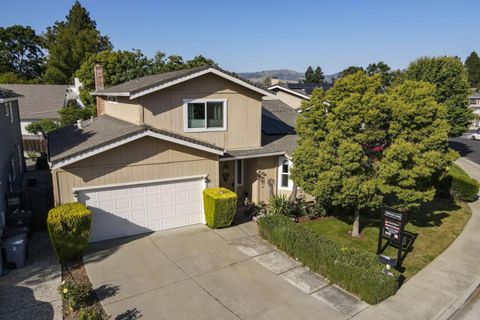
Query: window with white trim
{"points": [[239, 172], [6, 105], [205, 115], [284, 174]]}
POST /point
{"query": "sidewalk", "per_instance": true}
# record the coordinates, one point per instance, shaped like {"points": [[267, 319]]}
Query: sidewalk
{"points": [[446, 283]]}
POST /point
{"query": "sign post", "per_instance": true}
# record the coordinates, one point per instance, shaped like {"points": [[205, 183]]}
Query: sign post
{"points": [[392, 226]]}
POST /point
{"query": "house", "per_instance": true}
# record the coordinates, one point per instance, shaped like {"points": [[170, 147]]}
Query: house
{"points": [[474, 104], [43, 101], [293, 94], [158, 141], [12, 163]]}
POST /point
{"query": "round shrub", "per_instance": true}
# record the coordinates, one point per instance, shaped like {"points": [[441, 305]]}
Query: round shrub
{"points": [[69, 230], [220, 205], [464, 188]]}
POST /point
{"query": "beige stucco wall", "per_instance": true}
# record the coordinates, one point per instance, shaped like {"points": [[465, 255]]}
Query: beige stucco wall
{"points": [[164, 110], [293, 101], [124, 109], [145, 159]]}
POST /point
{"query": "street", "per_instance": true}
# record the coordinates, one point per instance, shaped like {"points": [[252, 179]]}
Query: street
{"points": [[467, 148]]}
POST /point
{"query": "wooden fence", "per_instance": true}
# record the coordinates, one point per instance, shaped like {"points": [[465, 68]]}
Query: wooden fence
{"points": [[34, 144]]}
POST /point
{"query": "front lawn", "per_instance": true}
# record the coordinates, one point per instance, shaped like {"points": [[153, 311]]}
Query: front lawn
{"points": [[437, 224]]}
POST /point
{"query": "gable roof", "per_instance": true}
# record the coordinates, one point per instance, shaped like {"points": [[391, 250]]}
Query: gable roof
{"points": [[71, 144], [7, 95], [301, 90], [148, 84], [288, 90], [41, 101]]}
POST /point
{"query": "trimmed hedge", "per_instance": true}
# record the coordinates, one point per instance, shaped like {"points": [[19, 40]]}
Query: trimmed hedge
{"points": [[356, 271], [69, 230], [458, 185], [220, 205]]}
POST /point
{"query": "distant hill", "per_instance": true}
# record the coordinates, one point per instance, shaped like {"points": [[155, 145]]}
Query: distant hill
{"points": [[285, 75]]}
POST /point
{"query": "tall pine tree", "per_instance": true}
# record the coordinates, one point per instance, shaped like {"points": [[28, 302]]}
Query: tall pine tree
{"points": [[309, 75], [472, 64], [69, 42]]}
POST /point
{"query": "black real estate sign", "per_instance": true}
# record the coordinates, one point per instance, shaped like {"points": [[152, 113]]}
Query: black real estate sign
{"points": [[392, 226]]}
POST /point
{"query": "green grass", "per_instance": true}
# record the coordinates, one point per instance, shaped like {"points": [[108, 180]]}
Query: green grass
{"points": [[437, 224]]}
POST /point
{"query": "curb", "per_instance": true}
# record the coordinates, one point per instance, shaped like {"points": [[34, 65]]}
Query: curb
{"points": [[456, 306]]}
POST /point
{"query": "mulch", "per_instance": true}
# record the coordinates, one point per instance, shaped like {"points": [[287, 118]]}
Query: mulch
{"points": [[75, 271]]}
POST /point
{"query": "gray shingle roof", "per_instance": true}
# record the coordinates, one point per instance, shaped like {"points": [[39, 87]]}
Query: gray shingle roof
{"points": [[70, 141], [475, 95], [270, 144], [6, 93], [41, 101], [277, 111], [147, 82]]}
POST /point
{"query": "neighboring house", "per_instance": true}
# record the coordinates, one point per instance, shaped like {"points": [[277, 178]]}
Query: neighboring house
{"points": [[474, 104], [12, 164], [158, 141], [43, 101], [294, 94]]}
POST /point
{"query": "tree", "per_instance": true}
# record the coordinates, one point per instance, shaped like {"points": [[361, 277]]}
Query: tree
{"points": [[70, 42], [200, 61], [309, 75], [383, 70], [450, 78], [12, 77], [350, 70], [267, 81], [318, 76], [21, 52], [70, 114], [43, 126], [472, 64], [360, 146]]}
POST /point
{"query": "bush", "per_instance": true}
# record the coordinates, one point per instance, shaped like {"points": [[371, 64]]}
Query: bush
{"points": [[220, 207], [458, 185], [279, 204], [357, 271], [89, 314], [76, 295], [69, 230]]}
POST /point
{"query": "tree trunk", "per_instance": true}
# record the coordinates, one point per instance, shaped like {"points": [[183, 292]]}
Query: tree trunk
{"points": [[356, 223]]}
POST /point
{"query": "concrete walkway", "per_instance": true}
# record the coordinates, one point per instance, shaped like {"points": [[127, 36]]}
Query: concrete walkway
{"points": [[198, 273], [31, 292], [442, 287]]}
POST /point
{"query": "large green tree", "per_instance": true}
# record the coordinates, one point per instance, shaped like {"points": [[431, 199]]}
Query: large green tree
{"points": [[350, 70], [360, 146], [472, 64], [383, 70], [21, 53], [314, 76], [452, 88], [70, 42]]}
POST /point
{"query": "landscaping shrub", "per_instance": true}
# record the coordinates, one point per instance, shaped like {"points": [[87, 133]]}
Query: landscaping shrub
{"points": [[280, 204], [458, 185], [69, 230], [356, 271], [76, 295], [89, 314], [220, 206]]}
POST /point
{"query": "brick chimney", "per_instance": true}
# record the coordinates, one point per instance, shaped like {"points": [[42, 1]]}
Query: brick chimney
{"points": [[99, 85]]}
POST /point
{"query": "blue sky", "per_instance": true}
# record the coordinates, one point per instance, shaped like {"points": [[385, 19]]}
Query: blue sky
{"points": [[247, 35]]}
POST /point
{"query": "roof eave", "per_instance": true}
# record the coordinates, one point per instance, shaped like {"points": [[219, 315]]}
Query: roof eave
{"points": [[289, 91]]}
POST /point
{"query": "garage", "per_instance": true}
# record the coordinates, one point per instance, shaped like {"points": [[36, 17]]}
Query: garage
{"points": [[131, 209]]}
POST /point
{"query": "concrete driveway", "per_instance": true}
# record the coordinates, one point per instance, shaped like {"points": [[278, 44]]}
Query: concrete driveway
{"points": [[198, 273]]}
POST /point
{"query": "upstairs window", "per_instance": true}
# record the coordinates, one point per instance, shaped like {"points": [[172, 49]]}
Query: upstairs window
{"points": [[112, 99], [205, 115]]}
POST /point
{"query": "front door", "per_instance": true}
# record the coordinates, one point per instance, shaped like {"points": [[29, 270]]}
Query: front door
{"points": [[227, 175]]}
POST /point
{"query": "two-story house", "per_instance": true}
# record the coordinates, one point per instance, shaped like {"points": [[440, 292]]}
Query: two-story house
{"points": [[474, 104], [158, 141], [12, 164]]}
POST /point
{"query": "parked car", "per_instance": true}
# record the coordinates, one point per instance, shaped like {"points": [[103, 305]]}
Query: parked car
{"points": [[476, 135]]}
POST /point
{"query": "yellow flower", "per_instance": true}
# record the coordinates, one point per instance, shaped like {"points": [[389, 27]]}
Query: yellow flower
{"points": [[65, 290]]}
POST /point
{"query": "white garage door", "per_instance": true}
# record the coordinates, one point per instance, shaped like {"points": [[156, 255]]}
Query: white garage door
{"points": [[128, 210]]}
